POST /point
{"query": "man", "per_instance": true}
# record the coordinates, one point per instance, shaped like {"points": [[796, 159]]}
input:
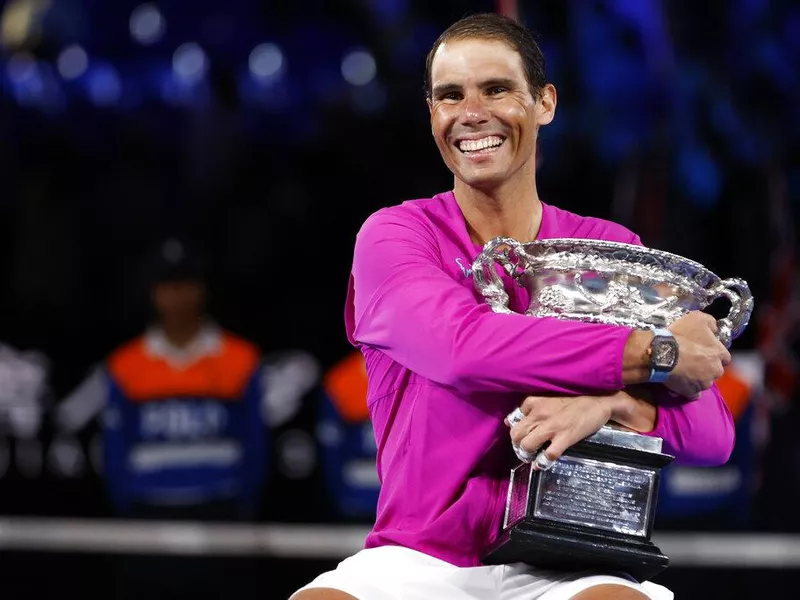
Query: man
{"points": [[444, 369], [181, 406], [347, 440], [186, 412]]}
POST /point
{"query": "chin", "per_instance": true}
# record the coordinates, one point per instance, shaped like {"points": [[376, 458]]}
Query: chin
{"points": [[484, 182]]}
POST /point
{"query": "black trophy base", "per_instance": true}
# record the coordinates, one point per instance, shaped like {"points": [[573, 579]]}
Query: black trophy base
{"points": [[593, 510], [561, 547]]}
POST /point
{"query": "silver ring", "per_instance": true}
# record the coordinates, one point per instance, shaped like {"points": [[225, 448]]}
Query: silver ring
{"points": [[542, 462], [523, 455], [515, 416]]}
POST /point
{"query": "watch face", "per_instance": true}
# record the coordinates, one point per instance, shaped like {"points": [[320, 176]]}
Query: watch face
{"points": [[665, 353]]}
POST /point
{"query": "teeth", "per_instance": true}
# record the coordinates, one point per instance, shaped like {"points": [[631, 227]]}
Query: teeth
{"points": [[481, 144]]}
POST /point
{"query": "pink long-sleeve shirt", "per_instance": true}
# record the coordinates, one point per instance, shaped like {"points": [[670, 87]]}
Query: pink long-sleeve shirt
{"points": [[444, 370]]}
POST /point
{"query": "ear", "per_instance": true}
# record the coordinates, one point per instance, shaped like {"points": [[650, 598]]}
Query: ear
{"points": [[547, 105]]}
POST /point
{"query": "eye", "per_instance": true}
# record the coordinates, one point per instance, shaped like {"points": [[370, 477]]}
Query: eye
{"points": [[450, 96], [497, 89]]}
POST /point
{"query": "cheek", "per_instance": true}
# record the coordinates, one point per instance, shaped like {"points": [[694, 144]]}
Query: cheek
{"points": [[441, 122], [523, 117]]}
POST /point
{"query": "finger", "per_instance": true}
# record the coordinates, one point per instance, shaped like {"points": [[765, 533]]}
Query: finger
{"points": [[514, 417], [521, 430], [720, 374], [529, 404], [687, 391], [726, 357], [524, 455], [711, 322], [535, 439], [691, 393], [542, 462], [557, 446]]}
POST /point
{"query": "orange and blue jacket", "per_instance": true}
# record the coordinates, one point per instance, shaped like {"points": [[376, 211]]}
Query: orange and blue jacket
{"points": [[178, 436]]}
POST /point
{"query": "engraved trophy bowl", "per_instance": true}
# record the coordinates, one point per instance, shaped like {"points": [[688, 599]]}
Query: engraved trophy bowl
{"points": [[595, 507]]}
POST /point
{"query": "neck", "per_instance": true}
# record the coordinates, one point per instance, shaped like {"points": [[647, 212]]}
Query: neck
{"points": [[181, 333], [513, 210]]}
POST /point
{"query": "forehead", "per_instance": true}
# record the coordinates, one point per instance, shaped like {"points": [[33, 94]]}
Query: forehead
{"points": [[462, 60]]}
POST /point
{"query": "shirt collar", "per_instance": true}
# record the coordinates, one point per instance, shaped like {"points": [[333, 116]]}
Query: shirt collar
{"points": [[207, 341]]}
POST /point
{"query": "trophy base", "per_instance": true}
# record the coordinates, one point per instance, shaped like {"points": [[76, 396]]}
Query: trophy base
{"points": [[592, 510], [561, 547]]}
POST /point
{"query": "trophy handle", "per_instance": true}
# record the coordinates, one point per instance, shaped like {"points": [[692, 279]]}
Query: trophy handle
{"points": [[738, 292], [487, 280]]}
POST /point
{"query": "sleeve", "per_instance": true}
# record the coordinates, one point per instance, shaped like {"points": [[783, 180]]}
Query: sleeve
{"points": [[84, 403], [286, 379], [698, 432], [404, 304]]}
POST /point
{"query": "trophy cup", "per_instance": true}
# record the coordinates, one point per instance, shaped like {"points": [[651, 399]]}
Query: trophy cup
{"points": [[595, 507]]}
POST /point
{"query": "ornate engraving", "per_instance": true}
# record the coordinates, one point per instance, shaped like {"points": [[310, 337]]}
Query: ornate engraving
{"points": [[609, 282], [596, 494]]}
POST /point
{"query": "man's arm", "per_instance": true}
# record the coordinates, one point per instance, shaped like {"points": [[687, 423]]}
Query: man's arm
{"points": [[405, 305], [634, 408], [698, 432]]}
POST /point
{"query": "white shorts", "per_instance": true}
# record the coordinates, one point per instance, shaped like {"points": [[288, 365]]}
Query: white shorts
{"points": [[395, 573]]}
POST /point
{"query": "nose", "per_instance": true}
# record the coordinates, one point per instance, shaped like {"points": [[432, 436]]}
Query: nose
{"points": [[473, 110]]}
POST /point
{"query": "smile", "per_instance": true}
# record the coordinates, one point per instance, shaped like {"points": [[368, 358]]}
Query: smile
{"points": [[488, 143]]}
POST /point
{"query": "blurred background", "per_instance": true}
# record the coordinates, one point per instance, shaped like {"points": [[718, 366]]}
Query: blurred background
{"points": [[181, 183]]}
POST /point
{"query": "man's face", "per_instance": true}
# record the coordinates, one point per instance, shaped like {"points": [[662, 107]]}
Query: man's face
{"points": [[483, 115], [178, 301]]}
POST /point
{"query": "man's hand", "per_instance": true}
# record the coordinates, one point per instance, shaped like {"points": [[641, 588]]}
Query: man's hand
{"points": [[561, 421], [701, 356], [565, 420]]}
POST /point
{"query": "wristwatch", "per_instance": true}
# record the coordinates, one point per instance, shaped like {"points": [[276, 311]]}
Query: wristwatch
{"points": [[663, 355]]}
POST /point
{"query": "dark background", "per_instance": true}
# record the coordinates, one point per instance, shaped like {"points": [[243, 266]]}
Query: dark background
{"points": [[678, 122]]}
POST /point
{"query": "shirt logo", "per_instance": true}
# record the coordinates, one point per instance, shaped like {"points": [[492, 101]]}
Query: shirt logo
{"points": [[467, 272]]}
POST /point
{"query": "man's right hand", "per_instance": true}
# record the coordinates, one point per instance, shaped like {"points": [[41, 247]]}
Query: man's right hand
{"points": [[701, 356]]}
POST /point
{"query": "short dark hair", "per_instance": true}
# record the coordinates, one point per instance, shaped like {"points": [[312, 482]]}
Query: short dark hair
{"points": [[493, 26]]}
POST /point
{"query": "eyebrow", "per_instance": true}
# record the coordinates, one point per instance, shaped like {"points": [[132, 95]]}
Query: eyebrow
{"points": [[499, 82], [447, 88]]}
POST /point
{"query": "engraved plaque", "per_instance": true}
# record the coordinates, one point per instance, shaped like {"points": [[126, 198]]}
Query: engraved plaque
{"points": [[601, 495], [593, 509]]}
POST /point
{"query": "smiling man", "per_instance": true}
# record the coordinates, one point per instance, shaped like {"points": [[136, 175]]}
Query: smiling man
{"points": [[444, 370]]}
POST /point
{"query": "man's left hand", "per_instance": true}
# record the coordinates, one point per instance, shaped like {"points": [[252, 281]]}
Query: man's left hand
{"points": [[561, 421]]}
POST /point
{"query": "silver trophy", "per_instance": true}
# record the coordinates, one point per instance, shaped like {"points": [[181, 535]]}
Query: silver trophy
{"points": [[594, 508]]}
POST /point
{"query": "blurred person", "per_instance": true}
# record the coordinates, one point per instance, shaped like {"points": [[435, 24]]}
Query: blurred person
{"points": [[184, 410], [182, 431], [347, 440], [444, 369], [25, 396], [714, 498]]}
